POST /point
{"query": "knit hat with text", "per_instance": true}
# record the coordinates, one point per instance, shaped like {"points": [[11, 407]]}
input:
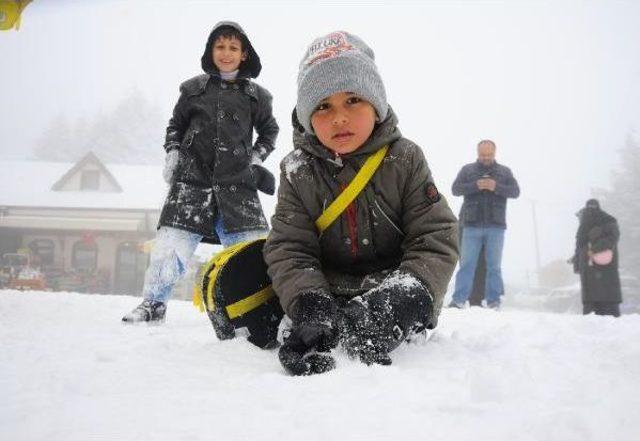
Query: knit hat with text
{"points": [[338, 62]]}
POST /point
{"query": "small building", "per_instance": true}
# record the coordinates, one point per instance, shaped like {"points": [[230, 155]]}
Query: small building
{"points": [[84, 224]]}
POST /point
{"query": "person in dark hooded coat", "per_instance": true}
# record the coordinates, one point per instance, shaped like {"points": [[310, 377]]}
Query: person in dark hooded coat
{"points": [[212, 165], [596, 260]]}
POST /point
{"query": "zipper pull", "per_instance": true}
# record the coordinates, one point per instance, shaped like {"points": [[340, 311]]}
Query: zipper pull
{"points": [[337, 159]]}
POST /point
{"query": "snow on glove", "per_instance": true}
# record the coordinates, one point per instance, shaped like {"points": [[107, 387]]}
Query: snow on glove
{"points": [[375, 323], [298, 354], [410, 302], [170, 164], [313, 331], [364, 333]]}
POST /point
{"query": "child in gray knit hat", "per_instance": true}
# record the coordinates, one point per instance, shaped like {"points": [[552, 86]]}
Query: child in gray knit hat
{"points": [[377, 274]]}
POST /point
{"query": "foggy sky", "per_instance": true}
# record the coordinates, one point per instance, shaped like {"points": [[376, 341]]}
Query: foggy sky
{"points": [[555, 84]]}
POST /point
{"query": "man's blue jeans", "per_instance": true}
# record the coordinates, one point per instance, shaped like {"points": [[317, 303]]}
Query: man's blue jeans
{"points": [[472, 240], [171, 253]]}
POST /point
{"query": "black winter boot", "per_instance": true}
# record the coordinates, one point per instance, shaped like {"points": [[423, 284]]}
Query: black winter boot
{"points": [[147, 311]]}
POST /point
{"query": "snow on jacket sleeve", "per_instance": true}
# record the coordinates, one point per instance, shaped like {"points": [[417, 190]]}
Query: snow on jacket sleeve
{"points": [[431, 231], [292, 250]]}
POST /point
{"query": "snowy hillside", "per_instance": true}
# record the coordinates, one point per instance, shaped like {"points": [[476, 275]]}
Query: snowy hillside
{"points": [[69, 370]]}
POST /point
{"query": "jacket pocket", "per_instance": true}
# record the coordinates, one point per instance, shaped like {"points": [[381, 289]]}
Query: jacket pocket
{"points": [[188, 140], [498, 213], [388, 216], [471, 212], [248, 149]]}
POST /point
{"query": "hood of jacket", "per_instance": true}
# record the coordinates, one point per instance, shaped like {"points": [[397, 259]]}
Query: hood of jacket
{"points": [[385, 132], [248, 69]]}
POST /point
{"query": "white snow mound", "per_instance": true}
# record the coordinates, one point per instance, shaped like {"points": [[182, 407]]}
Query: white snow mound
{"points": [[70, 370]]}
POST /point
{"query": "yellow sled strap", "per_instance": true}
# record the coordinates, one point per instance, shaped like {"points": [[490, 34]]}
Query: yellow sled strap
{"points": [[250, 303], [352, 191], [332, 212]]}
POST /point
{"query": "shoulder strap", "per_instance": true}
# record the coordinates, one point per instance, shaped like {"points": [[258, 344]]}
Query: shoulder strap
{"points": [[354, 188]]}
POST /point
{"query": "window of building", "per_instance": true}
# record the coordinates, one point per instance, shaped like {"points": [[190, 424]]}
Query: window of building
{"points": [[44, 250], [131, 263], [90, 180], [85, 255]]}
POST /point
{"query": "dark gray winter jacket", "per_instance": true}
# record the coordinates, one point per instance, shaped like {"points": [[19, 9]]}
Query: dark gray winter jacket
{"points": [[485, 208], [398, 221], [212, 126]]}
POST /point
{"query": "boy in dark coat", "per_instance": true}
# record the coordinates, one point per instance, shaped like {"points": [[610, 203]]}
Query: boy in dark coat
{"points": [[598, 233], [379, 272], [212, 166]]}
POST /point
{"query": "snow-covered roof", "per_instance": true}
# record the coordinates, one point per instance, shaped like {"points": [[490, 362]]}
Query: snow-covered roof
{"points": [[29, 184]]}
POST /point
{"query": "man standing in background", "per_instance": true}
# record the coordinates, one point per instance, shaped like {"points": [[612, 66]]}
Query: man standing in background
{"points": [[485, 185]]}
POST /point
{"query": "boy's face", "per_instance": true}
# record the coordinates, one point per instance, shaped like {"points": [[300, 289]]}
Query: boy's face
{"points": [[343, 122], [227, 54]]}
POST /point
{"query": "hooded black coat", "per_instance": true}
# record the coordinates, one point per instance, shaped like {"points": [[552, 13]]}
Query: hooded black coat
{"points": [[212, 127], [598, 231]]}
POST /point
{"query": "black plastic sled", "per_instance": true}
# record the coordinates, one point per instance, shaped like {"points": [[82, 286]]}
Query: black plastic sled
{"points": [[235, 291]]}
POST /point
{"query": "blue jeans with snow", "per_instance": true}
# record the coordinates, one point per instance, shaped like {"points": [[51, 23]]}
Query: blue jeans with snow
{"points": [[472, 240], [171, 253]]}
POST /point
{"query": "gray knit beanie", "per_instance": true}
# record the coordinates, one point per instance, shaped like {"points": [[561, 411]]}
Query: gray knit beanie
{"points": [[338, 62]]}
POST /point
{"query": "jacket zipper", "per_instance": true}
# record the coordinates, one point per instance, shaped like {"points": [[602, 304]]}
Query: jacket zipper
{"points": [[352, 223], [387, 218]]}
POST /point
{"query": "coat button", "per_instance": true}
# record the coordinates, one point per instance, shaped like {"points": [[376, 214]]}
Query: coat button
{"points": [[365, 241], [232, 188], [216, 188], [221, 114], [223, 85]]}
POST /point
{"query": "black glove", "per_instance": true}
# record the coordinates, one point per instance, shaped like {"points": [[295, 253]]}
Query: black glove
{"points": [[363, 335], [375, 323], [264, 179], [410, 301], [313, 331]]}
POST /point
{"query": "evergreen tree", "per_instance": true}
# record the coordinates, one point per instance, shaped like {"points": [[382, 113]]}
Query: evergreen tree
{"points": [[58, 142], [130, 134], [623, 201]]}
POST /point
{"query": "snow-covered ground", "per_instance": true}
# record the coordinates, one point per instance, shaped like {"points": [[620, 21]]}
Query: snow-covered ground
{"points": [[69, 370]]}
